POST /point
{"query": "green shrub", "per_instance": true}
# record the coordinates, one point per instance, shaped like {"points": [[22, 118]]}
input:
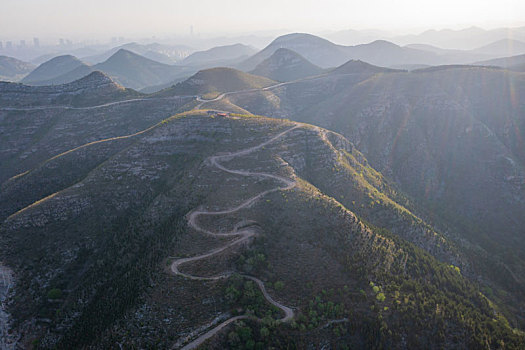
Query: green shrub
{"points": [[54, 293]]}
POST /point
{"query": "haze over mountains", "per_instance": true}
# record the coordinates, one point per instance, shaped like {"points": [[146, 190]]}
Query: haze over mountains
{"points": [[160, 66], [305, 195]]}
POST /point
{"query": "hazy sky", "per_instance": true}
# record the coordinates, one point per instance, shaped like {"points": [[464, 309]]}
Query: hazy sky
{"points": [[74, 18]]}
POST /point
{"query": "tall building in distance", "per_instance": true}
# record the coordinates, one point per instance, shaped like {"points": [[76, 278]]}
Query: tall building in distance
{"points": [[22, 43], [8, 44], [1, 45], [36, 42]]}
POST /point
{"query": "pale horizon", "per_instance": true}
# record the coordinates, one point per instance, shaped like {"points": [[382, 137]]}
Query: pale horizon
{"points": [[163, 18]]}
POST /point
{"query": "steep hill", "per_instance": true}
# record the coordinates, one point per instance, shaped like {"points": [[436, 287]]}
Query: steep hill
{"points": [[52, 69], [68, 77], [320, 52], [220, 54], [105, 236], [95, 88], [217, 80], [158, 52], [12, 69], [286, 65], [137, 72]]}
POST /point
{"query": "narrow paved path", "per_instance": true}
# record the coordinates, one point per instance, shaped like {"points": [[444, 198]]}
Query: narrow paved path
{"points": [[109, 104], [243, 234], [84, 146], [224, 94]]}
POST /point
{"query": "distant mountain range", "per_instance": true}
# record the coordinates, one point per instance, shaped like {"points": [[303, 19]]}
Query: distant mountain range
{"points": [[152, 67], [462, 39], [162, 53], [127, 68], [324, 53]]}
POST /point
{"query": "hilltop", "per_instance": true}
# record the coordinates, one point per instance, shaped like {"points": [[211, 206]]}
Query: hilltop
{"points": [[320, 52], [286, 65], [360, 67], [217, 80], [137, 72], [95, 88], [45, 73], [167, 54]]}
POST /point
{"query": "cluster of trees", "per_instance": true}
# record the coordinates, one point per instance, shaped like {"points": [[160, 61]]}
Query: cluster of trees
{"points": [[244, 296]]}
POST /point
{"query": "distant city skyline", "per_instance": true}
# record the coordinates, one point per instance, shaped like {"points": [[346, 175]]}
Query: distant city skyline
{"points": [[96, 19]]}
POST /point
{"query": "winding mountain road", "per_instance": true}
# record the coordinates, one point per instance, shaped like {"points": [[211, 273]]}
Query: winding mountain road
{"points": [[244, 234], [224, 94]]}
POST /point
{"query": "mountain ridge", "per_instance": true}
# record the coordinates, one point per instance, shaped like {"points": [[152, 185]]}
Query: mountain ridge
{"points": [[280, 216]]}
